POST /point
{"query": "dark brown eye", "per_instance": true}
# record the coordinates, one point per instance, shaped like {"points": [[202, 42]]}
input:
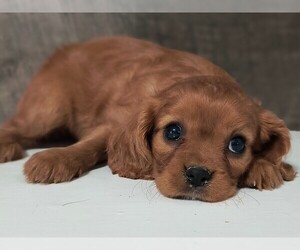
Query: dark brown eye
{"points": [[173, 132], [237, 145]]}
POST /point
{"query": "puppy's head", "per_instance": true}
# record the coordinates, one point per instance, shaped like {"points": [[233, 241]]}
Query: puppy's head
{"points": [[199, 138]]}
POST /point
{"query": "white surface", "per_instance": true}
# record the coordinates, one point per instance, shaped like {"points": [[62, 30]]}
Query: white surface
{"points": [[101, 204]]}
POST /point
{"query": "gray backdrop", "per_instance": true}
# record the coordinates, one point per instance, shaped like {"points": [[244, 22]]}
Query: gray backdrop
{"points": [[150, 6], [262, 51]]}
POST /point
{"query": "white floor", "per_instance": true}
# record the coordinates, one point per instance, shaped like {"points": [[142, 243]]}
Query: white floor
{"points": [[101, 204]]}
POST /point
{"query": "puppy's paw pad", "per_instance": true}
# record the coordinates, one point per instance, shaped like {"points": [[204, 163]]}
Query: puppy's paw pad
{"points": [[10, 152], [51, 166]]}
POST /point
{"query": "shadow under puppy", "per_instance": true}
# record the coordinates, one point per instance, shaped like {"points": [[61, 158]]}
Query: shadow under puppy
{"points": [[152, 113]]}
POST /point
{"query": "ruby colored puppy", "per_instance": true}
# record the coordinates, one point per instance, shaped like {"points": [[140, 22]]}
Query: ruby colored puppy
{"points": [[152, 113]]}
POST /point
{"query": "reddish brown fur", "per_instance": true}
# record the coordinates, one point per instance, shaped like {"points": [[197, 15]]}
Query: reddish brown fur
{"points": [[116, 95]]}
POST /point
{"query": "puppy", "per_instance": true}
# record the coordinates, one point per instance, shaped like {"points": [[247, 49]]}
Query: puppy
{"points": [[152, 113]]}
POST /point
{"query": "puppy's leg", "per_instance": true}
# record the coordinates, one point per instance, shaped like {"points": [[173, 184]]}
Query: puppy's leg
{"points": [[64, 164], [24, 131], [42, 109], [10, 149]]}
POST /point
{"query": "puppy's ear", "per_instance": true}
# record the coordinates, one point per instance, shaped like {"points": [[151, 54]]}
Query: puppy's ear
{"points": [[267, 170], [274, 137], [129, 153]]}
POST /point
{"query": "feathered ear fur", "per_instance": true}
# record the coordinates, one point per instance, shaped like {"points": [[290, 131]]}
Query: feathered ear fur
{"points": [[267, 170], [274, 137], [129, 153]]}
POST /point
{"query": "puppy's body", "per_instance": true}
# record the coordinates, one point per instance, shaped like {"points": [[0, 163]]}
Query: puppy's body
{"points": [[117, 95]]}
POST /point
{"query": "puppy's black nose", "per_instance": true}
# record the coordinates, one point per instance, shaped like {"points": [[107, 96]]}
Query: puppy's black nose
{"points": [[197, 176]]}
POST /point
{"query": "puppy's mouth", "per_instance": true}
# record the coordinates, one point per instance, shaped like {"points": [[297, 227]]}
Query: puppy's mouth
{"points": [[194, 192], [195, 183], [194, 195], [188, 184], [202, 194]]}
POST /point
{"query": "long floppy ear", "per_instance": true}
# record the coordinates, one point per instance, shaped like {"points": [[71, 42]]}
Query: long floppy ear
{"points": [[274, 137], [129, 153], [267, 171]]}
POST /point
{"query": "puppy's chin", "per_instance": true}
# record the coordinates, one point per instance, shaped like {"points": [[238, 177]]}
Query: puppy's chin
{"points": [[177, 187]]}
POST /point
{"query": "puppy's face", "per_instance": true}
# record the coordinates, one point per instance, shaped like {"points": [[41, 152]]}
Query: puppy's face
{"points": [[202, 139], [202, 142]]}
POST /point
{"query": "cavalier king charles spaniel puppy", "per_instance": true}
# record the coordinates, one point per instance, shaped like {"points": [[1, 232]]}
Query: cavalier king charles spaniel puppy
{"points": [[150, 113]]}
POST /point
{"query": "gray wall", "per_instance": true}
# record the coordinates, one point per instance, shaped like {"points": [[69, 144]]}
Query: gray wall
{"points": [[262, 51]]}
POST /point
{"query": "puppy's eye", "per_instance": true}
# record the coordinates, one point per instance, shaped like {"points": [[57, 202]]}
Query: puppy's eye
{"points": [[173, 132], [237, 145]]}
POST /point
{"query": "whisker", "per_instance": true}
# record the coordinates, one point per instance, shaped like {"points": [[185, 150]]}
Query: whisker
{"points": [[241, 199], [134, 187], [149, 194], [245, 193], [157, 195], [236, 204]]}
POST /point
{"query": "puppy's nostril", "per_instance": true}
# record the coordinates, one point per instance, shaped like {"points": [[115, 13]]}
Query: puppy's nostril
{"points": [[197, 176]]}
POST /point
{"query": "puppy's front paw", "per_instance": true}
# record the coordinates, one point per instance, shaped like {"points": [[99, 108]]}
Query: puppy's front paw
{"points": [[265, 175], [10, 152], [133, 174], [52, 166], [287, 172]]}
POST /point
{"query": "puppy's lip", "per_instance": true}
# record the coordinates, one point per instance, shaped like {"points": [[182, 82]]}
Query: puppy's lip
{"points": [[199, 196], [192, 188], [191, 196], [183, 197], [192, 193]]}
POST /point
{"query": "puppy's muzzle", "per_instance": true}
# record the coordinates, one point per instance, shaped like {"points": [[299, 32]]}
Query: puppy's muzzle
{"points": [[197, 176]]}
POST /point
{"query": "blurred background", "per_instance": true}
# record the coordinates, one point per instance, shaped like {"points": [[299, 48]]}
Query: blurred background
{"points": [[262, 51]]}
